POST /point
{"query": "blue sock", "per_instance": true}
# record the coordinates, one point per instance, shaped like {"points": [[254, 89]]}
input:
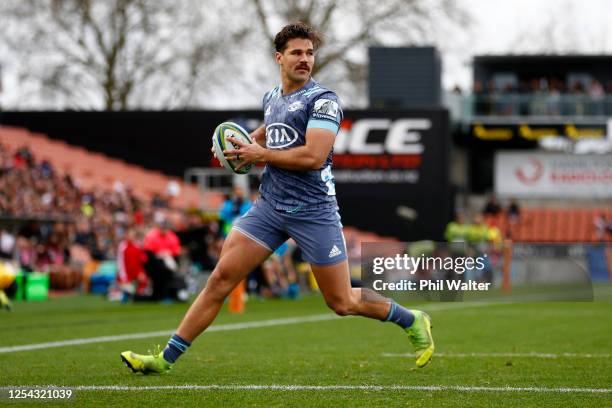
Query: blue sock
{"points": [[400, 316], [175, 347]]}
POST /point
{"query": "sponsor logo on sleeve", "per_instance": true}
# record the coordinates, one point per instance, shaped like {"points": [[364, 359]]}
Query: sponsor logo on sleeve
{"points": [[326, 109]]}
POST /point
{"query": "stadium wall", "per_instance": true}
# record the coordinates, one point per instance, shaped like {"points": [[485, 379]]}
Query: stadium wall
{"points": [[391, 167]]}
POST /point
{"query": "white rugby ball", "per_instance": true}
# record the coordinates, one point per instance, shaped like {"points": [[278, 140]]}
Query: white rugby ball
{"points": [[220, 143]]}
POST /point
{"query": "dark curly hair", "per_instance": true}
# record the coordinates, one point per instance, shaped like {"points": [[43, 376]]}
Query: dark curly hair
{"points": [[296, 30]]}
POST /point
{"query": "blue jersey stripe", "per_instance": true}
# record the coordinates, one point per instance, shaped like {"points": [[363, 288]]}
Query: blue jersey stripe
{"points": [[323, 124]]}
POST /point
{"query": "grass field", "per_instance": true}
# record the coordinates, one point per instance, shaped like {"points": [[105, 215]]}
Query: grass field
{"points": [[545, 354]]}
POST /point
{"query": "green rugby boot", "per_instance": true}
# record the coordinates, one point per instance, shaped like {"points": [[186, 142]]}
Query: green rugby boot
{"points": [[5, 303], [146, 364], [420, 337]]}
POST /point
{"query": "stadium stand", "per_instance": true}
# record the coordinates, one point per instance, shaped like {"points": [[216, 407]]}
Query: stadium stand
{"points": [[65, 209], [93, 170], [555, 225]]}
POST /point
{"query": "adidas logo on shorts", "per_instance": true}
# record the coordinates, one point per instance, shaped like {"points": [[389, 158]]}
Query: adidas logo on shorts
{"points": [[334, 252]]}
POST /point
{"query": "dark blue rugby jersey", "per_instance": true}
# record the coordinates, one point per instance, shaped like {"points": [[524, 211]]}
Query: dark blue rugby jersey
{"points": [[286, 118]]}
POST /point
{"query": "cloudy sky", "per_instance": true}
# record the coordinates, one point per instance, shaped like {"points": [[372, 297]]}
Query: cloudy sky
{"points": [[499, 27], [529, 26]]}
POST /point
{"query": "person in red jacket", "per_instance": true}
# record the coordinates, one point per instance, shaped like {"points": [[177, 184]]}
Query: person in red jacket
{"points": [[131, 276], [161, 240]]}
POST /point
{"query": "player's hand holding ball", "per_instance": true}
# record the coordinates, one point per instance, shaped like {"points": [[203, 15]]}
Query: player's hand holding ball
{"points": [[246, 154], [234, 148]]}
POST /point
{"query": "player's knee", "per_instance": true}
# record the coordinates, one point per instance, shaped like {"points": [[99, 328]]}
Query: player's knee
{"points": [[341, 307], [220, 282]]}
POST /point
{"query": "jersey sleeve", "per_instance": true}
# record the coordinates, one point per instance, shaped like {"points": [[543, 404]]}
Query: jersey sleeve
{"points": [[325, 112], [267, 96]]}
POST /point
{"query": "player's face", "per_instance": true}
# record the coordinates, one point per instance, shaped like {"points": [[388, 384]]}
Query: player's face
{"points": [[297, 60]]}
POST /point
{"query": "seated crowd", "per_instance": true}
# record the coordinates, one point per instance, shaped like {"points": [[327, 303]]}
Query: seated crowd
{"points": [[542, 96], [49, 224]]}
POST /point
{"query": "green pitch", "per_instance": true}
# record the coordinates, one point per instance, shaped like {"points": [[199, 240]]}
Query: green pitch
{"points": [[481, 348]]}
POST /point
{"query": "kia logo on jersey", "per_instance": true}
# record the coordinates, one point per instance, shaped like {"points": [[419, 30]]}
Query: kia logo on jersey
{"points": [[280, 135]]}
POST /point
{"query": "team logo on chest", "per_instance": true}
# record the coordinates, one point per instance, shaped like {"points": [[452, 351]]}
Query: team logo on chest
{"points": [[280, 135], [296, 106]]}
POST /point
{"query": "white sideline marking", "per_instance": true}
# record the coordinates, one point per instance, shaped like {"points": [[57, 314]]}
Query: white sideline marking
{"points": [[292, 387], [532, 354], [220, 327]]}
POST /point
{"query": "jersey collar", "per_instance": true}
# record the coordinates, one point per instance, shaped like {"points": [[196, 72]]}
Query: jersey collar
{"points": [[311, 82]]}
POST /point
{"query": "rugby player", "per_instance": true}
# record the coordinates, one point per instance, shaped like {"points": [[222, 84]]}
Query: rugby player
{"points": [[301, 120]]}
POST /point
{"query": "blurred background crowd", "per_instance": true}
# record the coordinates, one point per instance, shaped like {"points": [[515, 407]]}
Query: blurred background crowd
{"points": [[518, 153], [541, 96], [150, 250]]}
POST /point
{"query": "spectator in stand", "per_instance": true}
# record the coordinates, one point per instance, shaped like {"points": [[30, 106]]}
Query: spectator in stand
{"points": [[57, 257], [132, 280], [542, 96], [456, 230], [480, 99], [214, 241], [608, 98], [578, 91], [195, 238], [234, 207], [554, 97], [492, 98], [602, 228], [26, 254], [478, 231], [7, 244], [97, 220], [159, 201], [596, 94], [23, 158], [539, 89], [514, 211], [492, 207], [84, 235], [161, 240], [297, 269], [46, 169], [162, 247]]}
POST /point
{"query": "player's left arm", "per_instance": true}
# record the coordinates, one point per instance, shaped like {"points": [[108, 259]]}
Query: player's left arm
{"points": [[310, 156], [324, 119]]}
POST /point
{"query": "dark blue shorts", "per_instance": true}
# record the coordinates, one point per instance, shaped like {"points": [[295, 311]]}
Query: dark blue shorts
{"points": [[317, 233]]}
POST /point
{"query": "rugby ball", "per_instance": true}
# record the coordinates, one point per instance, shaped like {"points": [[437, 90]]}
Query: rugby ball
{"points": [[220, 143]]}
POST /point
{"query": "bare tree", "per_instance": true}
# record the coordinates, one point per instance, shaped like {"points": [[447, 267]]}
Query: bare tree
{"points": [[349, 26], [117, 54]]}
